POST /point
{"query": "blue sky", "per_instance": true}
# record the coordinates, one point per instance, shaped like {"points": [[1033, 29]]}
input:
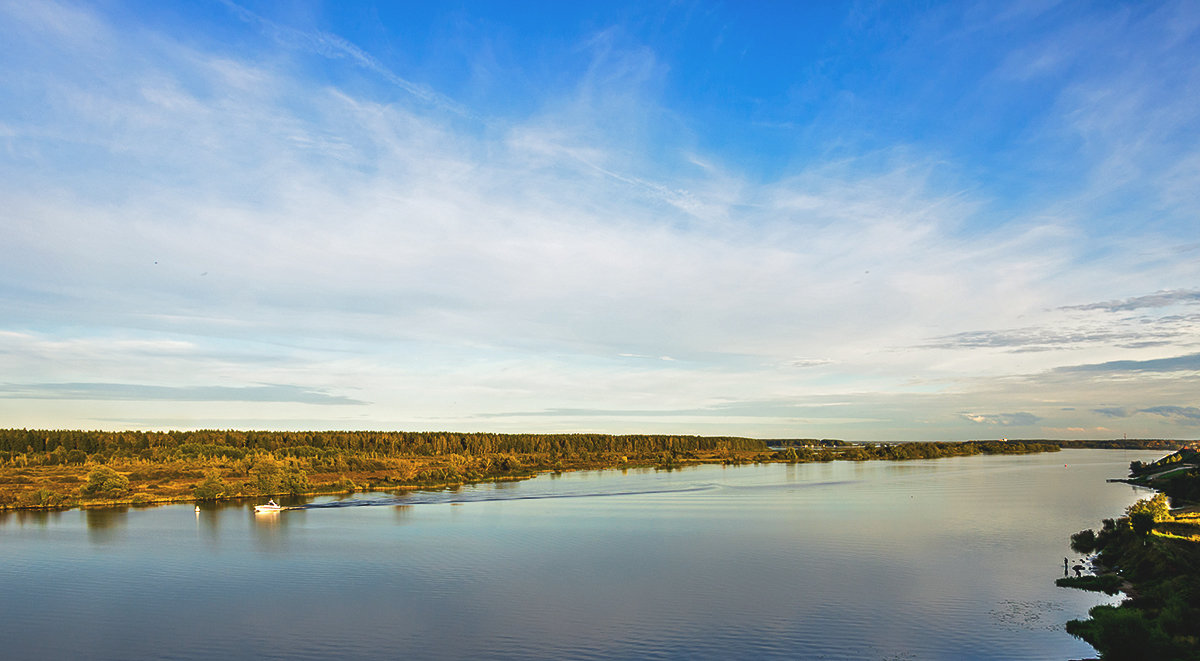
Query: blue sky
{"points": [[869, 221]]}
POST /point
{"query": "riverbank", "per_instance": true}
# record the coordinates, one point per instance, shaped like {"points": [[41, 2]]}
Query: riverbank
{"points": [[1153, 554], [153, 483], [42, 469]]}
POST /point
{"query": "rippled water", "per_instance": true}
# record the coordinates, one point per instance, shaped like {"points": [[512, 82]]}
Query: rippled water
{"points": [[941, 559]]}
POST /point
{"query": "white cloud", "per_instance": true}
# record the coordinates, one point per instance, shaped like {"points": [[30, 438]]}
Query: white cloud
{"points": [[231, 224]]}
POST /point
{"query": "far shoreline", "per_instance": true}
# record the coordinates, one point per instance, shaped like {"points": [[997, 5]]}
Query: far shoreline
{"points": [[117, 469]]}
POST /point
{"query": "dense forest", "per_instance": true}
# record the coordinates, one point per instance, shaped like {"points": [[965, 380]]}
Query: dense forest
{"points": [[24, 447], [1120, 444], [55, 446], [826, 451]]}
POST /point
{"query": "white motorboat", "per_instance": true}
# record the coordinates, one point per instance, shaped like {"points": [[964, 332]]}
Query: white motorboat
{"points": [[271, 506]]}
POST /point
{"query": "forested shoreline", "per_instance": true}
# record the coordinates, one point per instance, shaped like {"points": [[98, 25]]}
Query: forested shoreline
{"points": [[150, 444], [64, 468], [67, 468], [1152, 553]]}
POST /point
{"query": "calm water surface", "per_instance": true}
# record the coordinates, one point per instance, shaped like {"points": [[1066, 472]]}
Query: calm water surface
{"points": [[939, 559]]}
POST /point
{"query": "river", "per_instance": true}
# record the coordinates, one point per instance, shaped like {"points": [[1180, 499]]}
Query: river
{"points": [[935, 559]]}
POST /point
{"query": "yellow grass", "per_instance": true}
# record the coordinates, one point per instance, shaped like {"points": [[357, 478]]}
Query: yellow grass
{"points": [[174, 481]]}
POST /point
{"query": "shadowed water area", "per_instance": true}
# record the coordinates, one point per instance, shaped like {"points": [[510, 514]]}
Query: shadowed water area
{"points": [[937, 559]]}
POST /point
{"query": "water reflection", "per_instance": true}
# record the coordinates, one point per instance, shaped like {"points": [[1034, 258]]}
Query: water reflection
{"points": [[208, 524], [104, 524], [402, 513], [267, 529], [933, 559], [30, 517]]}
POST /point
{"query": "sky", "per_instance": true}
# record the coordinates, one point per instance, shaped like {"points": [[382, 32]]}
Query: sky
{"points": [[855, 220]]}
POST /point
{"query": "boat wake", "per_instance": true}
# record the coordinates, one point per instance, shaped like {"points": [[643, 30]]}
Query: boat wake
{"points": [[449, 498], [791, 486]]}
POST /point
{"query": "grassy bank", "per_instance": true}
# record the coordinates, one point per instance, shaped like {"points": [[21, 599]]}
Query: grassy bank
{"points": [[55, 469]]}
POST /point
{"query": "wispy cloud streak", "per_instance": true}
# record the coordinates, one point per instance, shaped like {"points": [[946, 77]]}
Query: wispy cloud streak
{"points": [[1186, 363], [143, 392], [1189, 415], [332, 46], [1157, 300]]}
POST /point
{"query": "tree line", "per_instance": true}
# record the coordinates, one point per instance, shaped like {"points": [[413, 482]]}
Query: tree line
{"points": [[65, 447], [74, 446], [910, 450]]}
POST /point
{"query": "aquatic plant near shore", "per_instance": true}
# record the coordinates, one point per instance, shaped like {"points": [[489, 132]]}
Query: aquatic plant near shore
{"points": [[1109, 584]]}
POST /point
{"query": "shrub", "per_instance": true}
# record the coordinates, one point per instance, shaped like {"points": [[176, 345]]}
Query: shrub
{"points": [[1084, 541], [45, 498], [1122, 633], [1108, 583], [104, 482]]}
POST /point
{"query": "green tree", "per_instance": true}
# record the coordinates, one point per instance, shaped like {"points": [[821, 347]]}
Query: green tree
{"points": [[1156, 507], [212, 487], [1141, 522], [268, 475], [58, 456], [104, 482], [295, 481]]}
